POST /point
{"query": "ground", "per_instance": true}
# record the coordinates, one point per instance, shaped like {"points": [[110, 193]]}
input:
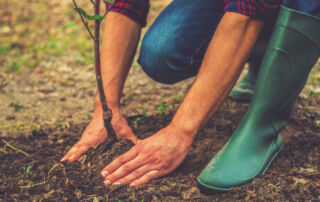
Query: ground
{"points": [[293, 176], [47, 85]]}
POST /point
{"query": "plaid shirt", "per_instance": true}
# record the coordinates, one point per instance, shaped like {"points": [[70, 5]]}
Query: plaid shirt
{"points": [[138, 9], [134, 9], [255, 8]]}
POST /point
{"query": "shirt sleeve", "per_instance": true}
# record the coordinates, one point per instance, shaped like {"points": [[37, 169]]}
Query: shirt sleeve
{"points": [[137, 10], [261, 9]]}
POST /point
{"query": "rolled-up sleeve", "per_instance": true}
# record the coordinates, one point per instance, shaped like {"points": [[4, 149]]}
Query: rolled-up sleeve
{"points": [[254, 8], [137, 10]]}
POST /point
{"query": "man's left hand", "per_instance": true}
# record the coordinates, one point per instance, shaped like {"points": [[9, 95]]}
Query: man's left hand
{"points": [[150, 158]]}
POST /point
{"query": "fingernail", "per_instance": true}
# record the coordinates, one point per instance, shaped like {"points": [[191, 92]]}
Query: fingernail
{"points": [[104, 173], [72, 157], [107, 182], [63, 159], [116, 183], [132, 185]]}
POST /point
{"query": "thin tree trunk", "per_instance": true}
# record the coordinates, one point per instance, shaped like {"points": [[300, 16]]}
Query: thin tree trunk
{"points": [[107, 113]]}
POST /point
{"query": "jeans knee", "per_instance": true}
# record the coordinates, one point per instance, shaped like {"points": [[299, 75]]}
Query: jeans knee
{"points": [[155, 60]]}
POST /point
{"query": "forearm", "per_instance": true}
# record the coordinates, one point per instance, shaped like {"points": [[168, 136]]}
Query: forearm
{"points": [[227, 53], [119, 43]]}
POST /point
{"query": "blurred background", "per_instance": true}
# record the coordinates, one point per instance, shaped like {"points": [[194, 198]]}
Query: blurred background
{"points": [[47, 77]]}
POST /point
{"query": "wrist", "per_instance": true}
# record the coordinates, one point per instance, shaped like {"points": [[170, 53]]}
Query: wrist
{"points": [[113, 105], [98, 111], [186, 126], [183, 135]]}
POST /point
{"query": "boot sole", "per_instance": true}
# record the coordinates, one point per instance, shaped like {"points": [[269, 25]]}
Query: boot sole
{"points": [[205, 186]]}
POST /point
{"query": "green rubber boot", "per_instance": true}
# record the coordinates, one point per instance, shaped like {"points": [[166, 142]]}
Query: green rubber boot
{"points": [[293, 50], [243, 91]]}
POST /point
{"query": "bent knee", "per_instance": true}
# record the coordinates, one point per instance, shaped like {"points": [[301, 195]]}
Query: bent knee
{"points": [[155, 60]]}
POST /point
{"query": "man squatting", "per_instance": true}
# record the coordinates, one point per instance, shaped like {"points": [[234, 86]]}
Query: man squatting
{"points": [[212, 40]]}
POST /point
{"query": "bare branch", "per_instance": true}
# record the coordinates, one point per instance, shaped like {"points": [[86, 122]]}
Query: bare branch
{"points": [[92, 2], [83, 21]]}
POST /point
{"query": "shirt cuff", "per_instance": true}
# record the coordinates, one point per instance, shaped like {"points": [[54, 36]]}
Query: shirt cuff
{"points": [[261, 9], [137, 10]]}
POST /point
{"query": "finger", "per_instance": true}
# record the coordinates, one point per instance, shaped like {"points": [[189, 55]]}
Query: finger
{"points": [[133, 138], [130, 135], [115, 164], [147, 177], [70, 152], [102, 136], [126, 132], [125, 170], [134, 175], [76, 155]]}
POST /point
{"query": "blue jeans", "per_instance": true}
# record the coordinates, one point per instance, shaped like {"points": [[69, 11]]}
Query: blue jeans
{"points": [[311, 7], [174, 46]]}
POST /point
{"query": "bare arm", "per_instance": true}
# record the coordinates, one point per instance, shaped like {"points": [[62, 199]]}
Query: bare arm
{"points": [[161, 153], [119, 43], [226, 55], [120, 38]]}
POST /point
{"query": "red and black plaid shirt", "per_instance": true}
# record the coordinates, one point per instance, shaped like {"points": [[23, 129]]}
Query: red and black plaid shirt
{"points": [[134, 9], [138, 9], [255, 8]]}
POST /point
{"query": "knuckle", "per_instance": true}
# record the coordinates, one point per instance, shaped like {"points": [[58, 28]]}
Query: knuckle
{"points": [[112, 177], [136, 174], [163, 165], [121, 160], [140, 144], [127, 168]]}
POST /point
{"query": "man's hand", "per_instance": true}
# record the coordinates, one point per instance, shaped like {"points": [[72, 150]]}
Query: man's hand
{"points": [[95, 133], [150, 158]]}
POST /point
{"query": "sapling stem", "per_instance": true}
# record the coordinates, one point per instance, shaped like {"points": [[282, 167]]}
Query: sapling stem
{"points": [[107, 113]]}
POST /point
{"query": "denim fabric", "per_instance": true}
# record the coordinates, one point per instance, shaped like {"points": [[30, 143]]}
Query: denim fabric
{"points": [[311, 7], [175, 44]]}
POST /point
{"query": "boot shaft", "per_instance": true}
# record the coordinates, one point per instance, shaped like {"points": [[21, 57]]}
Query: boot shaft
{"points": [[293, 50]]}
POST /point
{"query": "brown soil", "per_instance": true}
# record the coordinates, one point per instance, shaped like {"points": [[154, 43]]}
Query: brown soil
{"points": [[294, 175]]}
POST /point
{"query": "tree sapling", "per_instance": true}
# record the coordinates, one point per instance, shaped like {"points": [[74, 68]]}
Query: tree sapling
{"points": [[97, 18]]}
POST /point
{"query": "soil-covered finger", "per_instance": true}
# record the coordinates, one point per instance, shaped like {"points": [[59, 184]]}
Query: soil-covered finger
{"points": [[126, 169], [71, 152], [120, 161], [134, 175], [146, 177], [77, 153]]}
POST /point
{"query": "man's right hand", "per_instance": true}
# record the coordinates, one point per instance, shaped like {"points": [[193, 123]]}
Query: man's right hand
{"points": [[95, 133]]}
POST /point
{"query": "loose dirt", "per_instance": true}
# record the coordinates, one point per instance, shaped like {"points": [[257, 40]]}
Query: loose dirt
{"points": [[294, 175]]}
